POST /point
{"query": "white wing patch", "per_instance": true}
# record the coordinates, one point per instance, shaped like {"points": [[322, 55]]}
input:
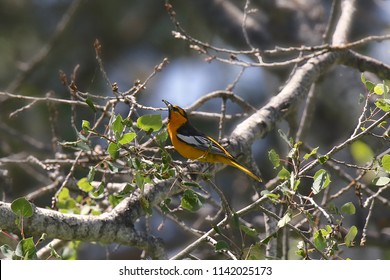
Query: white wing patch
{"points": [[202, 143]]}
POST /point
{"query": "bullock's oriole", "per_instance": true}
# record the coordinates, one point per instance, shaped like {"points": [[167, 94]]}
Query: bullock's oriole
{"points": [[193, 144]]}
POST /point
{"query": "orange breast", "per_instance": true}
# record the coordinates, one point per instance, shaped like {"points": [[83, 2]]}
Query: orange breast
{"points": [[188, 151]]}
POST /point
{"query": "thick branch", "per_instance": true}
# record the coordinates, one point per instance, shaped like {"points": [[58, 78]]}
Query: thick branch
{"points": [[105, 228]]}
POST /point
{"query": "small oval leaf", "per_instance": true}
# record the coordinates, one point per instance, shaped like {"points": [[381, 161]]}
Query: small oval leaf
{"points": [[385, 162], [274, 158], [191, 201], [84, 185], [22, 207], [127, 138], [349, 238], [113, 150], [348, 208], [381, 181], [149, 122], [221, 246], [321, 181], [361, 152]]}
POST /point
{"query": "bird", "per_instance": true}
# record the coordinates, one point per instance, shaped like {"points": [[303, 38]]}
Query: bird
{"points": [[194, 144]]}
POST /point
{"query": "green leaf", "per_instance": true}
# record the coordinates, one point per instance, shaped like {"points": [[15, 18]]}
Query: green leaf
{"points": [[321, 181], [274, 158], [383, 104], [190, 201], [368, 84], [249, 231], [127, 138], [284, 136], [363, 78], [99, 191], [323, 159], [312, 153], [348, 208], [272, 196], [7, 251], [381, 181], [378, 89], [115, 200], [150, 122], [319, 240], [26, 249], [64, 194], [117, 125], [296, 184], [162, 137], [91, 174], [146, 206], [361, 152], [217, 229], [236, 220], [333, 209], [85, 125], [84, 185], [90, 104], [113, 150], [349, 238], [286, 218], [221, 245], [267, 239], [254, 252], [385, 162], [301, 252], [284, 174], [22, 207]]}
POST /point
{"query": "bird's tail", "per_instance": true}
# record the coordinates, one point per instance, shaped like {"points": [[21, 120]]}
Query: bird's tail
{"points": [[234, 163]]}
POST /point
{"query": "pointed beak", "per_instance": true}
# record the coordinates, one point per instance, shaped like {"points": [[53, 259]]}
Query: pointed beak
{"points": [[169, 105]]}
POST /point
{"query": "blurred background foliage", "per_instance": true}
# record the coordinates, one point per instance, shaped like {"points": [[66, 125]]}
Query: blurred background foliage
{"points": [[135, 37]]}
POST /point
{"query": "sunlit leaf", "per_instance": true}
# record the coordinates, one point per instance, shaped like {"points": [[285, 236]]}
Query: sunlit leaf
{"points": [[381, 181], [84, 185], [127, 138], [312, 153], [274, 158], [321, 181], [284, 174], [385, 162], [285, 219], [85, 125], [117, 125], [113, 150], [150, 122], [378, 89], [349, 238], [383, 104], [361, 152]]}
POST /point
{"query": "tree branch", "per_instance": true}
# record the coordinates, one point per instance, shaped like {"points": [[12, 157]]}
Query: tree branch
{"points": [[106, 228]]}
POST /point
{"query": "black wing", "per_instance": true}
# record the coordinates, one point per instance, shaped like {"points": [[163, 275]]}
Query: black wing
{"points": [[188, 134]]}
